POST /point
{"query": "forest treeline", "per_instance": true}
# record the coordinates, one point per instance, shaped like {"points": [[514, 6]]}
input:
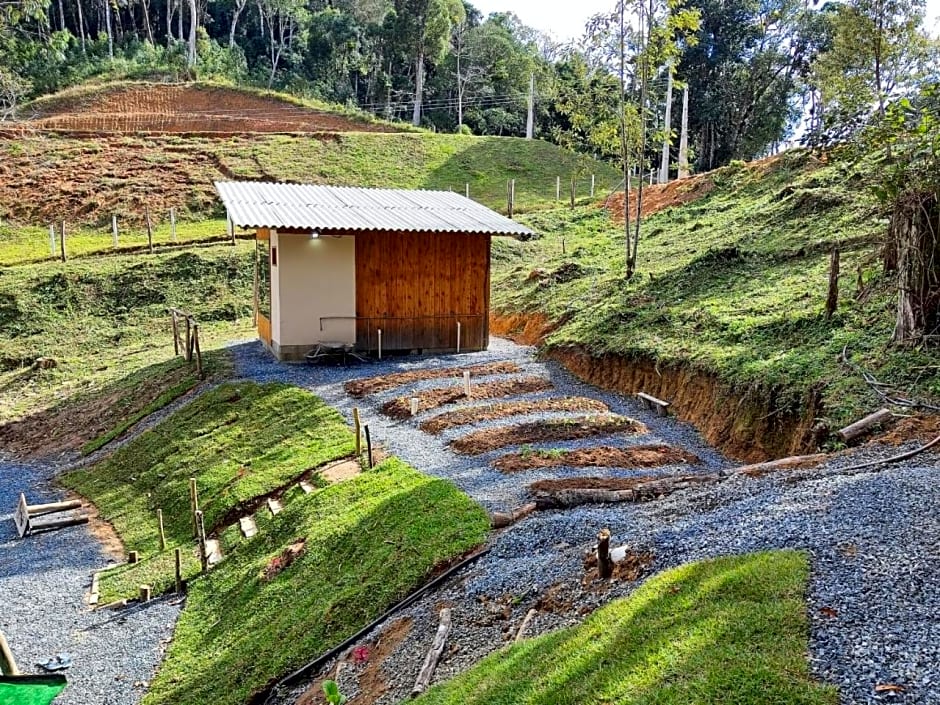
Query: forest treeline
{"points": [[753, 71]]}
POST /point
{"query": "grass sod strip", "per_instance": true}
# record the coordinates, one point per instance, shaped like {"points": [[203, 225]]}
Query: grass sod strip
{"points": [[400, 408], [366, 543], [488, 439], [501, 410], [729, 630], [30, 690], [240, 441], [374, 385]]}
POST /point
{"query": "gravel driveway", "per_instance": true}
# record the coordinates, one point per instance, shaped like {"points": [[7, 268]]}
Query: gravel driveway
{"points": [[874, 539], [43, 579]]}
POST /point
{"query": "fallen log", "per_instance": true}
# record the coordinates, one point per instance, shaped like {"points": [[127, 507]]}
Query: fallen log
{"points": [[525, 623], [793, 462], [863, 426], [433, 656], [573, 497], [500, 520]]}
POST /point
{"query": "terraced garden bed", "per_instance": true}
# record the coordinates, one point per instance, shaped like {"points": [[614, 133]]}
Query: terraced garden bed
{"points": [[644, 456], [400, 408], [374, 385], [500, 410], [489, 439]]}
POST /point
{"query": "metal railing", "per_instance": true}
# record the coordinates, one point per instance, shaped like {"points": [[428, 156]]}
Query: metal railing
{"points": [[439, 332]]}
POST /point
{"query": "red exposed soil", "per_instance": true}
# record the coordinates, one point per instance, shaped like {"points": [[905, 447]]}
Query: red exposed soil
{"points": [[633, 566], [661, 196], [590, 483], [501, 410], [373, 385], [917, 428], [283, 561], [68, 427], [433, 398], [523, 328], [601, 457], [186, 108], [546, 431]]}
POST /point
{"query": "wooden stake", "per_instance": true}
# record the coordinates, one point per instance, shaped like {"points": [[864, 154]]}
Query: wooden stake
{"points": [[7, 662], [832, 299], [145, 592], [563, 246], [433, 655], [188, 349], [197, 350], [466, 383], [173, 225], [176, 333], [178, 560], [368, 445], [415, 402], [231, 230], [160, 527], [149, 229], [114, 231], [358, 429], [194, 505], [467, 189], [62, 241], [592, 185], [525, 623], [133, 557], [201, 540], [557, 188], [51, 240], [605, 566]]}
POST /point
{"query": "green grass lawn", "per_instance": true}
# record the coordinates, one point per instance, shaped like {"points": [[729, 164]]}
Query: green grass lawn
{"points": [[240, 441], [369, 541], [105, 321], [720, 632], [732, 284]]}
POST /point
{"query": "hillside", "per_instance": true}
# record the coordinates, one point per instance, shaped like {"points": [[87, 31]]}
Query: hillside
{"points": [[727, 305], [85, 181], [204, 108]]}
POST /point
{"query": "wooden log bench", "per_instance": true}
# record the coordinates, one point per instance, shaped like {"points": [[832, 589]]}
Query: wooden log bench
{"points": [[26, 513], [650, 402]]}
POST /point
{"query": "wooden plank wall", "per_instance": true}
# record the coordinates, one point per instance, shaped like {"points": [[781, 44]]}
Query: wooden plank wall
{"points": [[415, 275]]}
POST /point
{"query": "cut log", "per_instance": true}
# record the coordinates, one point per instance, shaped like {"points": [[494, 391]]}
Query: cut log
{"points": [[433, 656], [525, 623], [36, 510], [145, 593], [7, 662], [650, 402], [575, 496], [863, 426], [248, 527], [274, 507], [793, 462], [500, 520], [605, 566]]}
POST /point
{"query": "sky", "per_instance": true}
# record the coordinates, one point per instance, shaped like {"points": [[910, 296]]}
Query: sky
{"points": [[565, 20]]}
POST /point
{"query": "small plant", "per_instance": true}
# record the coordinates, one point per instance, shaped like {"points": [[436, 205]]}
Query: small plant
{"points": [[331, 691]]}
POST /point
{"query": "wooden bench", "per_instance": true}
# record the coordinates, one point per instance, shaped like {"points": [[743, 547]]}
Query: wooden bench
{"points": [[650, 402]]}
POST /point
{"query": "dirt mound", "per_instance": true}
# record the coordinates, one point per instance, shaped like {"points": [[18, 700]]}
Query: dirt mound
{"points": [[661, 196], [643, 456], [433, 398], [501, 410], [184, 108], [374, 385], [489, 439]]}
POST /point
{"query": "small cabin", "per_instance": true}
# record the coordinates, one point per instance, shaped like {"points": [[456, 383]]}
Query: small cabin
{"points": [[376, 270]]}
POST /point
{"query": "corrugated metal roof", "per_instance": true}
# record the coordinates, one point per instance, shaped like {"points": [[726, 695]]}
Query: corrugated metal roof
{"points": [[308, 207]]}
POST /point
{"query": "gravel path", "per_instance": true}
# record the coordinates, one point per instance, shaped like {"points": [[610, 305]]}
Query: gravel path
{"points": [[874, 539], [43, 579]]}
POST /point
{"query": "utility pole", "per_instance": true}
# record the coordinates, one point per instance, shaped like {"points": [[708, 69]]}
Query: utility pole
{"points": [[530, 120], [684, 136], [664, 165]]}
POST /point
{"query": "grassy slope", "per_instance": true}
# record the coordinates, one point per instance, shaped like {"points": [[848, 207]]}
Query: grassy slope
{"points": [[87, 180], [369, 542], [731, 630], [734, 283], [104, 320]]}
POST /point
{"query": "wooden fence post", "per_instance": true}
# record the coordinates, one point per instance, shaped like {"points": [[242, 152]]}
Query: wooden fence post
{"points": [[605, 566], [557, 188], [114, 231], [832, 299], [358, 424], [368, 445], [187, 349], [149, 229], [197, 350], [231, 229], [62, 241], [201, 538], [178, 559], [194, 505], [176, 332], [160, 528]]}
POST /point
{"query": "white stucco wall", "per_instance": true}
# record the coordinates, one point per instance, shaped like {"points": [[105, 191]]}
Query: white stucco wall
{"points": [[315, 278]]}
